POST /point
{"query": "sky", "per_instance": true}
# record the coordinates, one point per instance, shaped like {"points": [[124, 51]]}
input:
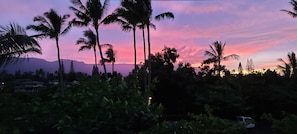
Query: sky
{"points": [[252, 29]]}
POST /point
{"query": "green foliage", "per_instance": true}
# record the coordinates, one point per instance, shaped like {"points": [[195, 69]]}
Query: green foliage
{"points": [[224, 100], [199, 124], [285, 125], [92, 107], [11, 110]]}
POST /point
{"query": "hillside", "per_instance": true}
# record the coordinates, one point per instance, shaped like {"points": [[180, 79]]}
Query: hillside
{"points": [[32, 64]]}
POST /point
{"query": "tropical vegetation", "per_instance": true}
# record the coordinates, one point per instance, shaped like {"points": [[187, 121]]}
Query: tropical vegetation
{"points": [[91, 13], [53, 26], [216, 56], [170, 98], [88, 43], [14, 42]]}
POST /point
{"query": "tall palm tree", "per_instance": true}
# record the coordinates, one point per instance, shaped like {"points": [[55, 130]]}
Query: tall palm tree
{"points": [[147, 18], [216, 55], [110, 57], [92, 12], [294, 12], [129, 17], [290, 69], [52, 25], [14, 42], [88, 43]]}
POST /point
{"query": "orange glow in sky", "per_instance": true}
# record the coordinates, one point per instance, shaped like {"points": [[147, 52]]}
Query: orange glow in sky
{"points": [[255, 30]]}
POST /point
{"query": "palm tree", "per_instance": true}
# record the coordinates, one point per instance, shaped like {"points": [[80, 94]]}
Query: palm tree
{"points": [[88, 43], [290, 69], [294, 12], [92, 12], [51, 25], [129, 17], [147, 18], [14, 43], [111, 57], [285, 69], [216, 55]]}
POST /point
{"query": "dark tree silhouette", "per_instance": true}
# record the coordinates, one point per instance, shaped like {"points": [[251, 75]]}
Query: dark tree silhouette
{"points": [[51, 25], [294, 12], [128, 15], [147, 18], [240, 69], [88, 43], [216, 56], [250, 65], [92, 12], [289, 69], [110, 57], [14, 43]]}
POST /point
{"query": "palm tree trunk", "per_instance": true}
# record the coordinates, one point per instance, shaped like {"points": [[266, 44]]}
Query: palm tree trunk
{"points": [[101, 55], [60, 67], [134, 37], [144, 50], [95, 56], [219, 67], [144, 68], [149, 56], [112, 67]]}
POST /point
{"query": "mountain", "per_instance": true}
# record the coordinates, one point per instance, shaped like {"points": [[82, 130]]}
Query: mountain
{"points": [[32, 64]]}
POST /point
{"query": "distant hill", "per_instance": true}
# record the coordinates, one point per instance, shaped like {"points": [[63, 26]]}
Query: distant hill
{"points": [[32, 64]]}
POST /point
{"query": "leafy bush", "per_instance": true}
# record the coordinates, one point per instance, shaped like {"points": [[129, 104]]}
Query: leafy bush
{"points": [[199, 124], [92, 107], [285, 125]]}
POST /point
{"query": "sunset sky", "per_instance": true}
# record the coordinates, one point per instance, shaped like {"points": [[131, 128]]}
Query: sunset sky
{"points": [[253, 29]]}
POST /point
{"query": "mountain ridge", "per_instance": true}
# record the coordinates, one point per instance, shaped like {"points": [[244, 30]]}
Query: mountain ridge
{"points": [[32, 64]]}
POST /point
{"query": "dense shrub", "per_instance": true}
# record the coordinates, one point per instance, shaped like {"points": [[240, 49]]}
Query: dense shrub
{"points": [[285, 125], [199, 124]]}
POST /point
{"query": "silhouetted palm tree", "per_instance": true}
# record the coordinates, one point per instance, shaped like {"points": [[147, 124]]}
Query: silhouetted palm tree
{"points": [[51, 25], [110, 57], [128, 16], [88, 43], [216, 55], [285, 69], [294, 12], [147, 18], [92, 12], [290, 69], [14, 42]]}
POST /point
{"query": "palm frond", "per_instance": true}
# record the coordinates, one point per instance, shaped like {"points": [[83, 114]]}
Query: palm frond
{"points": [[214, 52], [109, 19], [81, 41], [210, 54], [153, 26], [210, 60], [127, 28], [84, 19], [66, 30], [79, 4], [41, 20], [232, 56], [167, 15], [43, 31], [105, 6], [15, 43], [85, 48], [281, 60], [293, 14], [106, 45], [12, 29]]}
